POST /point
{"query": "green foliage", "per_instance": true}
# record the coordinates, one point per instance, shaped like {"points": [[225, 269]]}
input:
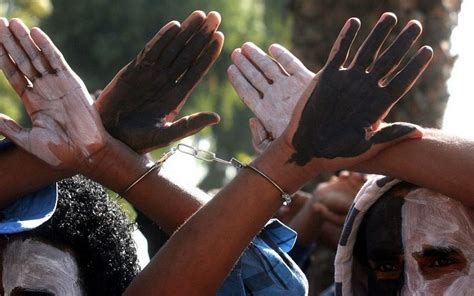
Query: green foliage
{"points": [[98, 37], [30, 11]]}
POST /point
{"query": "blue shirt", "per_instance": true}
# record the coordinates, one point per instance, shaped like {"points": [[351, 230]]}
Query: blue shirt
{"points": [[29, 211], [265, 268]]}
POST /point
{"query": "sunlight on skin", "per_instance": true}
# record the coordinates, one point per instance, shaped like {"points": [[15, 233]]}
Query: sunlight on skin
{"points": [[458, 118]]}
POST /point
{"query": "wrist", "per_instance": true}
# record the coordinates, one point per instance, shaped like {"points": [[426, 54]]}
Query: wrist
{"points": [[274, 162], [117, 166]]}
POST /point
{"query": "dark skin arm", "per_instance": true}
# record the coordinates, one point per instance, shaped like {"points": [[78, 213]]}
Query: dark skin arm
{"points": [[187, 257], [185, 266], [372, 72], [441, 162], [131, 87], [438, 161]]}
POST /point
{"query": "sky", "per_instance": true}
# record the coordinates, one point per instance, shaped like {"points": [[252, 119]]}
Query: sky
{"points": [[458, 117]]}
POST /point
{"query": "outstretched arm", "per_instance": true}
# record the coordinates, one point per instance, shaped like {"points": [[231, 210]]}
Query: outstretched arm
{"points": [[133, 87], [239, 210], [185, 265], [438, 161]]}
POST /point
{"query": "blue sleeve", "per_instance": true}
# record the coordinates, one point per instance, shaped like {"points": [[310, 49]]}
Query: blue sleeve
{"points": [[5, 144], [301, 255]]}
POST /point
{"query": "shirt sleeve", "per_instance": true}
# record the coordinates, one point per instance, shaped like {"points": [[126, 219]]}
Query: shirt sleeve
{"points": [[5, 144]]}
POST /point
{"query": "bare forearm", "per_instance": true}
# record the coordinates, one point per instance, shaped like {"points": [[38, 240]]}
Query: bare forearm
{"points": [[190, 255], [165, 203], [437, 161], [22, 173], [161, 200]]}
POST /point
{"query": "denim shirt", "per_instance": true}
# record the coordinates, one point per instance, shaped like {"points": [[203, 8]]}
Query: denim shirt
{"points": [[265, 269], [31, 210]]}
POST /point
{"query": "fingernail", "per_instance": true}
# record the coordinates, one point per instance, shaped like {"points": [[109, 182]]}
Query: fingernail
{"points": [[276, 50]]}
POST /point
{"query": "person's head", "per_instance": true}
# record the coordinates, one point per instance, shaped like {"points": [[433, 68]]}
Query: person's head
{"points": [[84, 249], [413, 240]]}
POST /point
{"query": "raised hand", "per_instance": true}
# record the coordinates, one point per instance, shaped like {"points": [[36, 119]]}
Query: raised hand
{"points": [[66, 128], [139, 104], [270, 86], [339, 114]]}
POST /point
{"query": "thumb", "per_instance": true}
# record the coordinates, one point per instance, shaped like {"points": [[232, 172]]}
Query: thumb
{"points": [[393, 133], [260, 137], [13, 131], [186, 126]]}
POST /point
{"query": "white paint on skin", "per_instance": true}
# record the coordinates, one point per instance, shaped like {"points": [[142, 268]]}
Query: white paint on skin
{"points": [[65, 122], [69, 107], [432, 219], [38, 266], [279, 98]]}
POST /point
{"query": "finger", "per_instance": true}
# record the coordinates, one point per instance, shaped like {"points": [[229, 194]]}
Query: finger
{"points": [[195, 45], [185, 127], [156, 45], [405, 79], [188, 28], [16, 52], [289, 62], [14, 132], [250, 71], [12, 73], [371, 46], [200, 68], [341, 47], [50, 51], [396, 132], [260, 137], [22, 34], [247, 93], [258, 57], [392, 57]]}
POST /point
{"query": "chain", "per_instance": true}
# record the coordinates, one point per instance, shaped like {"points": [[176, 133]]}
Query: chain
{"points": [[211, 156], [202, 155]]}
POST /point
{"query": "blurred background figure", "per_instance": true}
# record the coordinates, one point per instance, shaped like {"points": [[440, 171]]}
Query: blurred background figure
{"points": [[303, 26]]}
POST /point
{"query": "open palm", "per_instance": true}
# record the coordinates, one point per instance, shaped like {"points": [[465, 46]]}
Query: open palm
{"points": [[139, 104], [340, 112], [66, 128]]}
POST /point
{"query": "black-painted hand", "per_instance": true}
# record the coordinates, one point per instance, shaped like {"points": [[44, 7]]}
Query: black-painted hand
{"points": [[341, 116], [139, 104]]}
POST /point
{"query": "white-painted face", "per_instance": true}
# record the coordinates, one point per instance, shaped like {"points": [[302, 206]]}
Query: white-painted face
{"points": [[438, 240], [34, 266]]}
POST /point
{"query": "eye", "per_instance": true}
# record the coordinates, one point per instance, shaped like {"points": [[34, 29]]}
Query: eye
{"points": [[19, 291], [442, 262], [386, 267], [435, 262]]}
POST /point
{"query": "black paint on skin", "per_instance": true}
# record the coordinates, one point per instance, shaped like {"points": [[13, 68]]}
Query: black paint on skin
{"points": [[154, 85], [346, 102], [379, 245]]}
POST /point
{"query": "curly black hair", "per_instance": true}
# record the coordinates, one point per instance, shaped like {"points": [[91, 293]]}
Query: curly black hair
{"points": [[97, 231]]}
